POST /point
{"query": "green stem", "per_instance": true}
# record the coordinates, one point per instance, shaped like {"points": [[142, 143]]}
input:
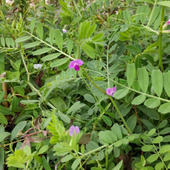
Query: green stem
{"points": [[118, 111], [114, 104], [108, 73], [28, 74], [88, 77], [107, 158], [160, 40]]}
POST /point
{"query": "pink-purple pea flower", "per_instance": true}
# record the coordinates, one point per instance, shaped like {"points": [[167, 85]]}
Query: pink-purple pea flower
{"points": [[74, 129], [75, 64], [110, 91], [168, 22]]}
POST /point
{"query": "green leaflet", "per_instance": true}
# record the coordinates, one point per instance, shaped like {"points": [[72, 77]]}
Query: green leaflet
{"points": [[143, 79], [51, 57], [121, 93], [138, 100], [131, 72], [164, 108], [21, 39], [166, 81], [157, 81], [59, 62], [39, 30], [164, 3], [152, 103], [41, 51]]}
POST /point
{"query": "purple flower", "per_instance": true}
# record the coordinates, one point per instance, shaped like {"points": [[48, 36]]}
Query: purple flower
{"points": [[168, 22], [111, 91], [74, 129], [75, 64]]}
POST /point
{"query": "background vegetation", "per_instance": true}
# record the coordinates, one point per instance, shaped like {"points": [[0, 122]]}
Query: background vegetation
{"points": [[123, 44]]}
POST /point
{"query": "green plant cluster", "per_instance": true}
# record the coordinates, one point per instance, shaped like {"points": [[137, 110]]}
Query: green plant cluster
{"points": [[123, 44]]}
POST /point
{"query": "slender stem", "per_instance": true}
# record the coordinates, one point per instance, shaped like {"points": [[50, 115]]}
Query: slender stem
{"points": [[160, 40], [114, 104], [108, 74], [50, 46], [118, 111], [88, 77], [107, 158], [28, 74]]}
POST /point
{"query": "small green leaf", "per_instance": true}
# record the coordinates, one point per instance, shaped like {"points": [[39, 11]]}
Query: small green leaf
{"points": [[158, 139], [21, 39], [59, 62], [121, 93], [164, 3], [152, 158], [107, 120], [32, 25], [89, 98], [69, 46], [40, 30], [163, 124], [17, 128], [166, 77], [43, 149], [67, 158], [164, 148], [157, 81], [31, 45], [143, 79], [41, 51], [164, 108], [138, 100], [89, 50], [152, 103], [3, 119], [117, 131], [159, 166], [167, 157], [2, 154], [165, 131], [59, 39], [152, 132], [118, 166], [131, 122], [147, 148], [75, 164], [131, 72], [51, 57]]}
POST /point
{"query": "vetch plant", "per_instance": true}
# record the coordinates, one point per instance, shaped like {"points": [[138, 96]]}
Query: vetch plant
{"points": [[75, 64]]}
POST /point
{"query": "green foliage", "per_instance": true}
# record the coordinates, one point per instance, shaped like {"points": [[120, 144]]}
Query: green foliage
{"points": [[122, 44]]}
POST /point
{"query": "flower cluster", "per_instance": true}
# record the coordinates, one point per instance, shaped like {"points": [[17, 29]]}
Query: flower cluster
{"points": [[74, 130]]}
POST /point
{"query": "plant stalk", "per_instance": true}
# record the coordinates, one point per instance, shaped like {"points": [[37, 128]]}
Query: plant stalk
{"points": [[160, 40]]}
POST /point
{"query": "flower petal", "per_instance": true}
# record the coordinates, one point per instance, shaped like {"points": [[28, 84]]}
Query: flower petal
{"points": [[108, 91], [71, 130], [79, 62], [77, 130], [76, 67], [72, 64]]}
